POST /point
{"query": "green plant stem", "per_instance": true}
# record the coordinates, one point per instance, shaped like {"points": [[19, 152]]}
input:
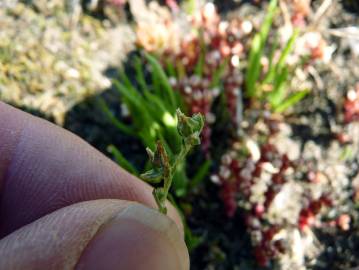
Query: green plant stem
{"points": [[179, 159], [165, 167]]}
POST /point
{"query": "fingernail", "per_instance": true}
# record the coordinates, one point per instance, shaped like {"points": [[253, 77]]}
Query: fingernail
{"points": [[137, 238]]}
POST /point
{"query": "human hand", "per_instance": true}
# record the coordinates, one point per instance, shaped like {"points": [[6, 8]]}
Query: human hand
{"points": [[66, 206]]}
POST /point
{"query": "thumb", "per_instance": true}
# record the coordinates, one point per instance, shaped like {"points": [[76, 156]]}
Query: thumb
{"points": [[100, 234]]}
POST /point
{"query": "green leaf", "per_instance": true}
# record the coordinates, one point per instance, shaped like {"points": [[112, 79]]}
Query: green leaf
{"points": [[200, 65], [114, 121], [254, 65], [136, 104], [266, 25], [256, 52], [154, 176], [180, 180], [287, 49], [276, 96], [171, 68], [125, 80], [131, 95], [140, 78], [192, 241], [218, 73], [201, 173], [157, 109], [291, 101], [121, 160], [156, 83], [163, 79], [279, 74], [151, 155], [201, 60], [181, 70], [271, 67], [174, 139], [148, 140]]}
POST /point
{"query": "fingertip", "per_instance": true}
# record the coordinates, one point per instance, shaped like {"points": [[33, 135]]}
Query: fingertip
{"points": [[137, 238], [38, 158], [100, 234]]}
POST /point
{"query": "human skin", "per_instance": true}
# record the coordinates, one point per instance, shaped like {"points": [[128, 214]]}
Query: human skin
{"points": [[64, 205]]}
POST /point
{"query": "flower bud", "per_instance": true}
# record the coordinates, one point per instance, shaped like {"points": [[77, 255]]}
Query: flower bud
{"points": [[188, 126]]}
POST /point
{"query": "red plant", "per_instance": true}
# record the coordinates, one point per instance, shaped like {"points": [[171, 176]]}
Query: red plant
{"points": [[217, 47], [301, 9], [351, 105], [239, 177]]}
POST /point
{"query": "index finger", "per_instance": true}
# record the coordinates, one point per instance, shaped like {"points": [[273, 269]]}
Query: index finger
{"points": [[44, 168]]}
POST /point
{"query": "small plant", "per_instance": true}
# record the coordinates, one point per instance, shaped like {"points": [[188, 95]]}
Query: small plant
{"points": [[152, 102], [274, 202], [205, 64], [163, 168], [273, 85]]}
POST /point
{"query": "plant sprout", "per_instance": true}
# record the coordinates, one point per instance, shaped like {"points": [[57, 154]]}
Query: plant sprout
{"points": [[163, 169]]}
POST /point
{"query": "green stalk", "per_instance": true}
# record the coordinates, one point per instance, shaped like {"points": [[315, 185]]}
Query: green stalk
{"points": [[189, 128]]}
